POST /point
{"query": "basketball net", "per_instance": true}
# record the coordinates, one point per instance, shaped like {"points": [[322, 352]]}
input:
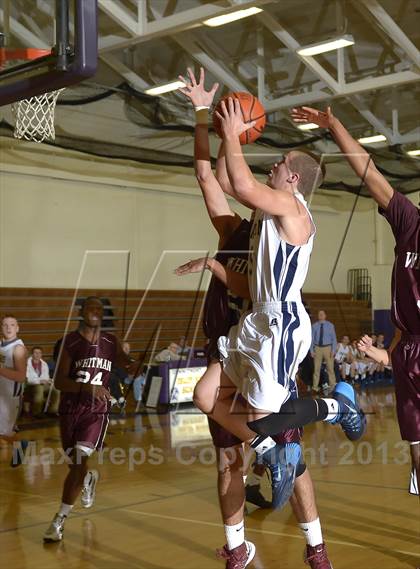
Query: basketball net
{"points": [[34, 117]]}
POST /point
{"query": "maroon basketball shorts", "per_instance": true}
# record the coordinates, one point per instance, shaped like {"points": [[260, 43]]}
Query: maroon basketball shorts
{"points": [[83, 428], [406, 369]]}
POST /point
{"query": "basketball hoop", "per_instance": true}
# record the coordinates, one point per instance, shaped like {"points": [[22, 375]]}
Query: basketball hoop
{"points": [[34, 117]]}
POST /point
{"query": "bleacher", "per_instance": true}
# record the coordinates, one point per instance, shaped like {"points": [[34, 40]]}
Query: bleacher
{"points": [[44, 313]]}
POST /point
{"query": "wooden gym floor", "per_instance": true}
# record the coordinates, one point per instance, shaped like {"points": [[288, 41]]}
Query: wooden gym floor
{"points": [[164, 513]]}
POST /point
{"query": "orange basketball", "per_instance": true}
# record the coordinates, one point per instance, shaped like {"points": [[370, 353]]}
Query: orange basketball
{"points": [[252, 110]]}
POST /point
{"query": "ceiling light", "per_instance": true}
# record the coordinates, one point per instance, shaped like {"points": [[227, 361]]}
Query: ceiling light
{"points": [[371, 139], [227, 18], [414, 152], [165, 88], [327, 45], [307, 126]]}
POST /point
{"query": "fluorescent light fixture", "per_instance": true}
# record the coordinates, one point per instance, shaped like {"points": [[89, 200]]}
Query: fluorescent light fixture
{"points": [[227, 18], [414, 152], [308, 126], [371, 139], [327, 45], [161, 89]]}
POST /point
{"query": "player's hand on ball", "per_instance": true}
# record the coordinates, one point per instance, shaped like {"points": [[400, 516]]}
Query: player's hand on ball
{"points": [[196, 91], [308, 114], [365, 343], [231, 118], [195, 266]]}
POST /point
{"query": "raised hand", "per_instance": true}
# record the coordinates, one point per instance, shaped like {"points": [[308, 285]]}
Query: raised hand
{"points": [[231, 118], [365, 344], [196, 91], [195, 266], [308, 114]]}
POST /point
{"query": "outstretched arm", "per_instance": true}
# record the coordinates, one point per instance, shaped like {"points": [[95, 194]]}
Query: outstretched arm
{"points": [[224, 220], [234, 281], [356, 155]]}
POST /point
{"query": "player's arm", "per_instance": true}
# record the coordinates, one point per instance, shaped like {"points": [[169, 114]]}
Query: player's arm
{"points": [[223, 219], [18, 372], [234, 281], [355, 154], [65, 383], [245, 188], [376, 354]]}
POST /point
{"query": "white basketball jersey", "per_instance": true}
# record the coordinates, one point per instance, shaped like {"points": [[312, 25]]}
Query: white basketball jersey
{"points": [[7, 387], [277, 270]]}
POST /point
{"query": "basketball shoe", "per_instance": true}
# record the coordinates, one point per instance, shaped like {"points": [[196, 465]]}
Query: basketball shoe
{"points": [[55, 529], [239, 557], [350, 416], [254, 496], [282, 461], [316, 557], [87, 499]]}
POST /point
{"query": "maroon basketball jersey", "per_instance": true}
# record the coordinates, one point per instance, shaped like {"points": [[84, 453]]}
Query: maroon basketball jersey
{"points": [[222, 308], [91, 363], [404, 219]]}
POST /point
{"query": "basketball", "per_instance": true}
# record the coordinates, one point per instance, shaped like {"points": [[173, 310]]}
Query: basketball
{"points": [[252, 110]]}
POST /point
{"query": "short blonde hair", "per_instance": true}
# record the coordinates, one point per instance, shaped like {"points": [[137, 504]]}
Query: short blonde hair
{"points": [[308, 166]]}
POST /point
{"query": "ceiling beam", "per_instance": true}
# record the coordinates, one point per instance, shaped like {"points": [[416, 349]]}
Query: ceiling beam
{"points": [[175, 23], [386, 23], [289, 41], [129, 75], [26, 36], [219, 71], [121, 15], [368, 84]]}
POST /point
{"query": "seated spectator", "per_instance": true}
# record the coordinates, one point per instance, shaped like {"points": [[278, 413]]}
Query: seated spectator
{"points": [[119, 377], [345, 359], [171, 353], [39, 385]]}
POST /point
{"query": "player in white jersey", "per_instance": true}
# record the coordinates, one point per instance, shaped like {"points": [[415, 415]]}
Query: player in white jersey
{"points": [[262, 353], [12, 377]]}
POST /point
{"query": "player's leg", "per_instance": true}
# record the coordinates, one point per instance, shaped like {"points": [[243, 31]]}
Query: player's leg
{"points": [[72, 487], [83, 432], [37, 400], [317, 368], [415, 472], [210, 388], [9, 409], [329, 360], [405, 364], [304, 507], [230, 486]]}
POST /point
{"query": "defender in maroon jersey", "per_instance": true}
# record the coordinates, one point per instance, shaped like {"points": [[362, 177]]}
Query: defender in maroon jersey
{"points": [[82, 376], [404, 219]]}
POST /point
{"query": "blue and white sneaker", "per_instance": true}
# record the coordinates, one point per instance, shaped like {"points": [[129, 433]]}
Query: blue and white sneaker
{"points": [[282, 461], [350, 416]]}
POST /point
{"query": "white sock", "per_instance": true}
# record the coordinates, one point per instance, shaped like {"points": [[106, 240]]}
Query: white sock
{"points": [[262, 444], [333, 409], [312, 532], [235, 535], [253, 479], [65, 509]]}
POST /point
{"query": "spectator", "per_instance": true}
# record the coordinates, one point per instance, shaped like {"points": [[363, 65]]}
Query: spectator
{"points": [[380, 341], [119, 376], [39, 384], [324, 345], [171, 353], [344, 359]]}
